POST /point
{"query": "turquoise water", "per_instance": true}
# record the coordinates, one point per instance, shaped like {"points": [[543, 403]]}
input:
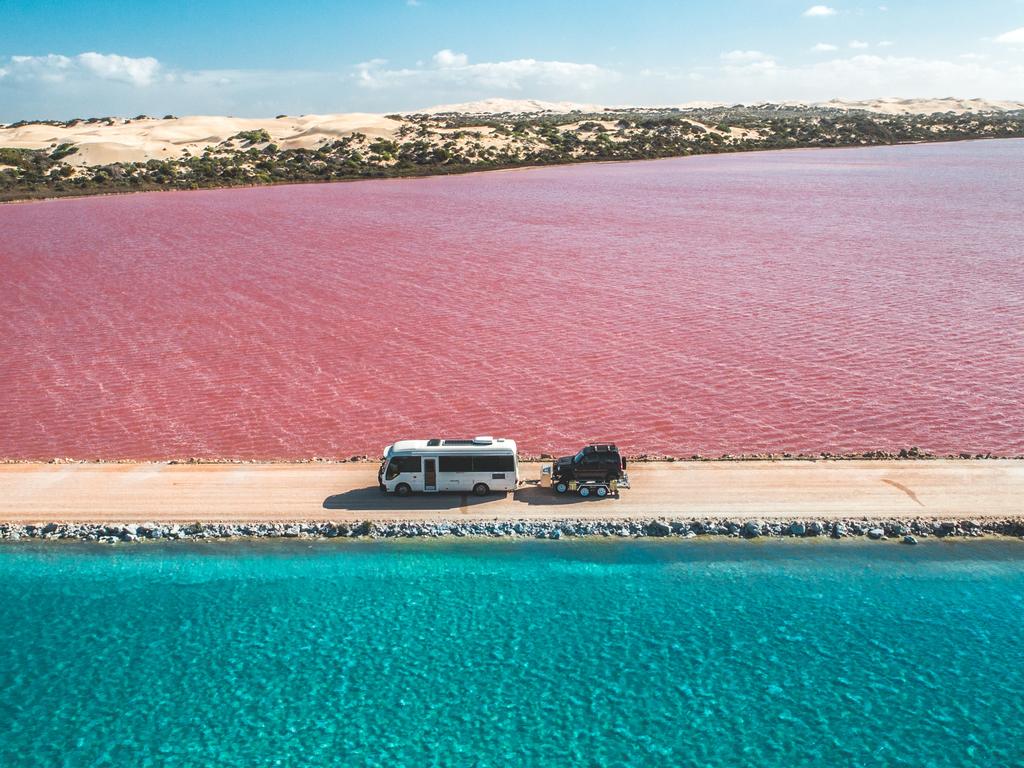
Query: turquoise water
{"points": [[530, 653]]}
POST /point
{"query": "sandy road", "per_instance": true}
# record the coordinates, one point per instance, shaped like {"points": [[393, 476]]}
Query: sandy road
{"points": [[256, 492]]}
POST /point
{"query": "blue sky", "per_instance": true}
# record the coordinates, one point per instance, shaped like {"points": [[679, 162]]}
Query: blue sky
{"points": [[258, 58]]}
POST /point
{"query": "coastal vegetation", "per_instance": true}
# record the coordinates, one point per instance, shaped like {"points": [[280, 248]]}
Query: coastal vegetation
{"points": [[425, 144]]}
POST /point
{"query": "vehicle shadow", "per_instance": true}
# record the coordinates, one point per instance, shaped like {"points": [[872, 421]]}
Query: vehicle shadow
{"points": [[535, 495], [370, 499]]}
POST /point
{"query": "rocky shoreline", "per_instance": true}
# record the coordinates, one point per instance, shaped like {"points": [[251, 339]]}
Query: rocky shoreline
{"points": [[902, 454], [907, 531]]}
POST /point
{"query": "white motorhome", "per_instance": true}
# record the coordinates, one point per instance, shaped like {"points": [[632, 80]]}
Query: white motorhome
{"points": [[480, 466]]}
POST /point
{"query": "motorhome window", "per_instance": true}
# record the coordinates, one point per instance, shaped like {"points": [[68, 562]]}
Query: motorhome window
{"points": [[456, 463], [494, 463], [410, 463], [400, 464]]}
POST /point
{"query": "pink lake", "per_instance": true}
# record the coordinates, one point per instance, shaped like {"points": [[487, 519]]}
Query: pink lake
{"points": [[837, 300]]}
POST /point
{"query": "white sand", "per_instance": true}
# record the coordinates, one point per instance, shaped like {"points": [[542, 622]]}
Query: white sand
{"points": [[926, 106], [512, 106], [130, 140], [141, 140], [891, 106]]}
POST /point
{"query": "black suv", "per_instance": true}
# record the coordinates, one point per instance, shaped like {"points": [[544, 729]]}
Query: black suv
{"points": [[600, 462]]}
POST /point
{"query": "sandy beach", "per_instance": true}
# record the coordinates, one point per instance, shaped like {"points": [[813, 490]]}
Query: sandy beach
{"points": [[826, 490]]}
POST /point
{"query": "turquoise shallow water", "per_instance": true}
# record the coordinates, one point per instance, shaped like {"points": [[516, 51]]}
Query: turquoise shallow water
{"points": [[532, 653]]}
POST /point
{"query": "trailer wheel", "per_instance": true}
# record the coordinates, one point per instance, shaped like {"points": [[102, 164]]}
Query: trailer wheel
{"points": [[584, 491], [403, 489], [601, 491], [561, 486], [481, 489]]}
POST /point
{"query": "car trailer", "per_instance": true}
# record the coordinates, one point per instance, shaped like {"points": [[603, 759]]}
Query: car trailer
{"points": [[585, 488]]}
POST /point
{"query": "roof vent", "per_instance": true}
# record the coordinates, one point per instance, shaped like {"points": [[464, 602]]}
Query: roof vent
{"points": [[483, 440]]}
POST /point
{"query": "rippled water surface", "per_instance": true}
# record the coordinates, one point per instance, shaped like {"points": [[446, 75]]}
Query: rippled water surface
{"points": [[807, 300], [535, 653]]}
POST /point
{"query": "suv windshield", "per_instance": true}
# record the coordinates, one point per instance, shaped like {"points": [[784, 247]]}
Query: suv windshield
{"points": [[577, 458]]}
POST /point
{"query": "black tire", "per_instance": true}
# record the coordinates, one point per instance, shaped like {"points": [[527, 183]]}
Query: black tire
{"points": [[601, 491], [402, 489], [481, 489], [584, 491], [560, 486]]}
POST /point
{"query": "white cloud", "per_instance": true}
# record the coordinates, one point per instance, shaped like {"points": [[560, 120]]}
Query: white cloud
{"points": [[113, 67], [66, 86], [55, 68], [744, 56], [447, 58], [452, 71], [819, 11], [1012, 37], [824, 47], [52, 68], [748, 63], [867, 76], [61, 87], [886, 44], [855, 76], [859, 44]]}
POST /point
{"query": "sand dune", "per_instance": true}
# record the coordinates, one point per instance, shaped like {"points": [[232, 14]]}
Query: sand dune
{"points": [[120, 140], [925, 106], [883, 105], [512, 106], [139, 140], [148, 138]]}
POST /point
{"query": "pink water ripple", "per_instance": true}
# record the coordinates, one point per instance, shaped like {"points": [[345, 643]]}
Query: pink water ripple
{"points": [[837, 300]]}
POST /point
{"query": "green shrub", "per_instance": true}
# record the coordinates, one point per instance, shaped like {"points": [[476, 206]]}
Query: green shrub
{"points": [[252, 137]]}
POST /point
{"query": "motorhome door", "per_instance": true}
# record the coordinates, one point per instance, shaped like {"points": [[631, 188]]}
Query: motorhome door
{"points": [[430, 474]]}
